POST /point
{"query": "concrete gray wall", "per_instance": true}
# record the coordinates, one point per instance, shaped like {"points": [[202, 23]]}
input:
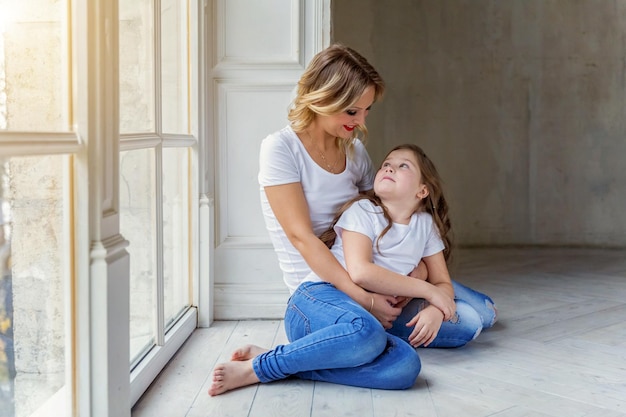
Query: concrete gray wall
{"points": [[520, 104]]}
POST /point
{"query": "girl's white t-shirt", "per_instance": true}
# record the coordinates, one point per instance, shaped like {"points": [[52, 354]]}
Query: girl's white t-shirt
{"points": [[401, 248], [284, 160]]}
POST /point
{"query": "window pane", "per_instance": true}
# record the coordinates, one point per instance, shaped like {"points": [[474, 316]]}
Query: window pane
{"points": [[174, 66], [138, 226], [34, 84], [176, 211], [136, 66], [34, 286]]}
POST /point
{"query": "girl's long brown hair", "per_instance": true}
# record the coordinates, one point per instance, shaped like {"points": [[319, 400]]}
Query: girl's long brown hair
{"points": [[435, 203]]}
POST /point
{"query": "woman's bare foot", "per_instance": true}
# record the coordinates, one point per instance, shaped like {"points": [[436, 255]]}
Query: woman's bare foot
{"points": [[247, 352], [230, 375]]}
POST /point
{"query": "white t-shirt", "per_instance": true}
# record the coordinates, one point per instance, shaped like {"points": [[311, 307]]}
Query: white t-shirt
{"points": [[284, 160], [401, 248]]}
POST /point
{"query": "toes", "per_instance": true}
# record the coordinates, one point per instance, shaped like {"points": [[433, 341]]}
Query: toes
{"points": [[215, 390], [238, 354], [242, 353]]}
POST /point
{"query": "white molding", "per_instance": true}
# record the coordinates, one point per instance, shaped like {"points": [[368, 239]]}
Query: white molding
{"points": [[247, 282], [323, 25], [222, 87], [250, 301], [204, 289], [103, 264], [158, 211], [109, 353], [155, 360], [203, 282], [179, 141], [294, 60], [39, 143], [131, 142], [252, 242]]}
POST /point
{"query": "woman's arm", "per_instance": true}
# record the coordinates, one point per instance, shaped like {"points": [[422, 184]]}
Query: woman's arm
{"points": [[357, 250], [292, 212]]}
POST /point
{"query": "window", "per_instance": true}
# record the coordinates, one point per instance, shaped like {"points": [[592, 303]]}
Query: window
{"points": [[35, 208], [96, 227], [156, 167], [35, 290]]}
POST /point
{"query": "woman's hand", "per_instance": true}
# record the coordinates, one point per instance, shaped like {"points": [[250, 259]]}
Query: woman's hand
{"points": [[384, 310], [426, 326], [401, 301]]}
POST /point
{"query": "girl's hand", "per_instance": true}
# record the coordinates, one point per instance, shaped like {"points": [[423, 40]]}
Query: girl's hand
{"points": [[442, 300], [384, 310], [426, 326]]}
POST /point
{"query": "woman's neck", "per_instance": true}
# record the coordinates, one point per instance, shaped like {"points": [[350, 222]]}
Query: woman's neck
{"points": [[323, 149], [320, 137]]}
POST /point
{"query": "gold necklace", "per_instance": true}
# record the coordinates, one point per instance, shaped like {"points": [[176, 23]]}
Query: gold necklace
{"points": [[329, 167]]}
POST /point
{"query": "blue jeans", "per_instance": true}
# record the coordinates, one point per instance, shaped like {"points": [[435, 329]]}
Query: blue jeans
{"points": [[474, 312], [334, 339]]}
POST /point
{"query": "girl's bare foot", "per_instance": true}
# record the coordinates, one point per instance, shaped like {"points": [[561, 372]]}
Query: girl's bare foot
{"points": [[230, 375], [247, 352]]}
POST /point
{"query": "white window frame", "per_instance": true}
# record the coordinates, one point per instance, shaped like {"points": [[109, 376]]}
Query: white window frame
{"points": [[98, 371]]}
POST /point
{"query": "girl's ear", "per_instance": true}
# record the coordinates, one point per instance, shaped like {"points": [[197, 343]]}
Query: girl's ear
{"points": [[423, 192]]}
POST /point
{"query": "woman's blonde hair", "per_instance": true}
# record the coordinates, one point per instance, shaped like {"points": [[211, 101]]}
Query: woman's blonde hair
{"points": [[334, 80]]}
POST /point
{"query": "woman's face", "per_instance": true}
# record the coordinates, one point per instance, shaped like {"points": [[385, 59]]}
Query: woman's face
{"points": [[342, 124]]}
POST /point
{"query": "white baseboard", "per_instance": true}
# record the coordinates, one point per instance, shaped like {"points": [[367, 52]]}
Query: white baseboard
{"points": [[249, 301]]}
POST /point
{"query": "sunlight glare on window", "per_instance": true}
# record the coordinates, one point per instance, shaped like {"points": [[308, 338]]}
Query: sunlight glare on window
{"points": [[136, 66], [34, 84], [138, 225], [176, 245], [175, 66], [34, 287]]}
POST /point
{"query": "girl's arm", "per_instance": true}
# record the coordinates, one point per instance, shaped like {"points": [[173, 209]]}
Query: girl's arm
{"points": [[438, 273], [357, 250], [292, 212], [426, 323]]}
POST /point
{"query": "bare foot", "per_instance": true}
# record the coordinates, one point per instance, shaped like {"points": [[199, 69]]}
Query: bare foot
{"points": [[247, 352], [230, 375]]}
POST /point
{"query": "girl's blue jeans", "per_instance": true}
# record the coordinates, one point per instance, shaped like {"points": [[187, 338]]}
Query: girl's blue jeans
{"points": [[474, 312], [333, 339]]}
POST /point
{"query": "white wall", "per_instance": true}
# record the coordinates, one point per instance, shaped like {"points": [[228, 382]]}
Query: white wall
{"points": [[252, 74]]}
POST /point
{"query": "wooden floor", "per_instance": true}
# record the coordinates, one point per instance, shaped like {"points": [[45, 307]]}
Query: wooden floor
{"points": [[558, 349]]}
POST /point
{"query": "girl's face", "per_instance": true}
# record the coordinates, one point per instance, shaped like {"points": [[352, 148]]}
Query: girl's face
{"points": [[342, 124], [400, 177]]}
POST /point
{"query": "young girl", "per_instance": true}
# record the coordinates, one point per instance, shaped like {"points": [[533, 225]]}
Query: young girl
{"points": [[401, 228], [381, 238]]}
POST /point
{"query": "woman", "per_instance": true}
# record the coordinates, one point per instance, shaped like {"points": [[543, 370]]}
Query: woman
{"points": [[308, 170]]}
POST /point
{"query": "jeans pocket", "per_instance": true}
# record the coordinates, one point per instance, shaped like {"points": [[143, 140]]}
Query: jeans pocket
{"points": [[297, 324]]}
